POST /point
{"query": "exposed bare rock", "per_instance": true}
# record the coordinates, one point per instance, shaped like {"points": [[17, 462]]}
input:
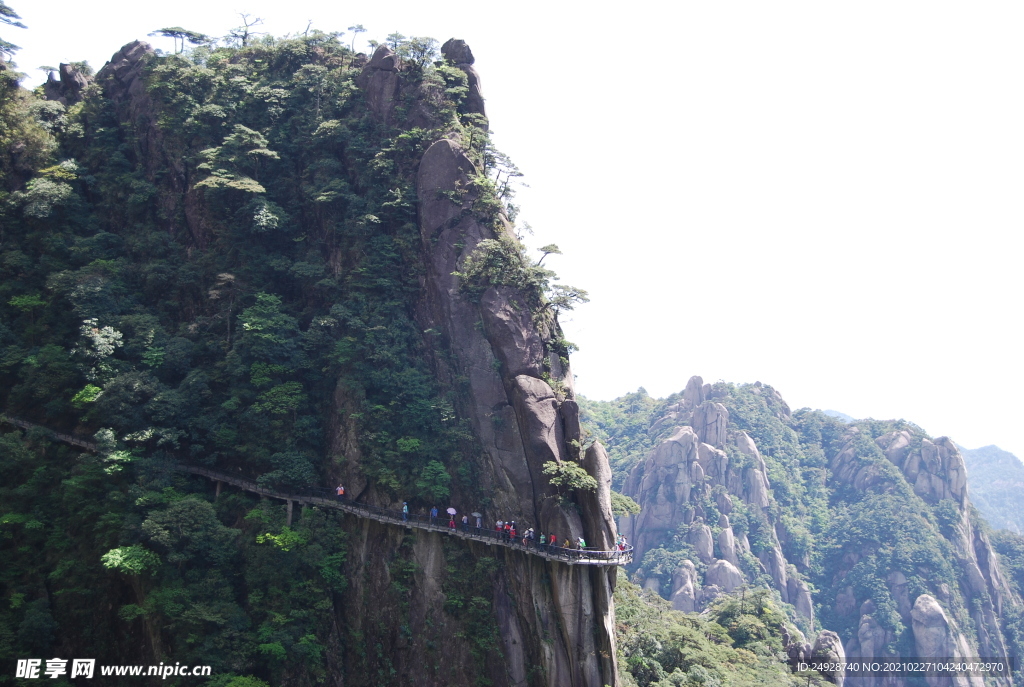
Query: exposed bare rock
{"points": [[775, 563], [685, 588], [757, 488], [829, 649], [724, 575], [67, 90], [724, 502], [569, 411], [936, 636], [937, 471], [457, 52], [710, 421], [598, 523], [896, 446], [653, 584], [381, 81], [521, 424], [800, 596], [726, 541], [121, 76], [661, 485], [693, 394], [701, 540], [515, 340]]}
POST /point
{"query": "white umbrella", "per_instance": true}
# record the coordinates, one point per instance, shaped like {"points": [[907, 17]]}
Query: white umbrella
{"points": [[451, 511]]}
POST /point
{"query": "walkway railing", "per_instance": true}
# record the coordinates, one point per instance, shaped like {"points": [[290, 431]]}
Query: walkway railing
{"points": [[327, 498]]}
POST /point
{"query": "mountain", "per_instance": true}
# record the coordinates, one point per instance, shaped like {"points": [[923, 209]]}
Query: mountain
{"points": [[864, 530], [996, 478], [839, 416], [297, 266]]}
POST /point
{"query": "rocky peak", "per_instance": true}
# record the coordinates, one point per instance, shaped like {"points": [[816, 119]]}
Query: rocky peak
{"points": [[122, 76], [456, 51], [381, 82], [67, 90]]}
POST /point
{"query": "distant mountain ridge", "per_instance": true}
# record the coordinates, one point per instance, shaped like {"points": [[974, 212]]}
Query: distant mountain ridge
{"points": [[996, 480], [839, 416]]}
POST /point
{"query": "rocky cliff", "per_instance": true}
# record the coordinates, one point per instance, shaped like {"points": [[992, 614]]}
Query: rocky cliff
{"points": [[869, 523], [272, 249]]}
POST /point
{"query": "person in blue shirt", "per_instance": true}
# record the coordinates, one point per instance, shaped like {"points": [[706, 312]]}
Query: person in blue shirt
{"points": [[433, 515], [405, 510]]}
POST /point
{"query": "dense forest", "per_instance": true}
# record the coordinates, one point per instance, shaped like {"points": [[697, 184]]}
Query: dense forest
{"points": [[214, 256]]}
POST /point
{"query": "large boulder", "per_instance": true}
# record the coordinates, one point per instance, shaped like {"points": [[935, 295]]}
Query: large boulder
{"points": [[710, 421], [700, 538], [456, 51], [726, 541], [828, 648], [381, 81], [67, 89], [685, 588], [724, 575]]}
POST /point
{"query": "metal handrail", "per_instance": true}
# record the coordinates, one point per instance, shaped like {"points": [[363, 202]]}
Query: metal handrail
{"points": [[327, 497]]}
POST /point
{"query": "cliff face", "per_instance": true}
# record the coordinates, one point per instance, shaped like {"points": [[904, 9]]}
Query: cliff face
{"points": [[249, 263], [503, 350], [869, 522], [997, 481]]}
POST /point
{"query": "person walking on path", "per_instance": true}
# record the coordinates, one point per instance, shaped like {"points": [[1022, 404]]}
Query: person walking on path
{"points": [[465, 523], [433, 515], [451, 522], [543, 541], [553, 541], [341, 493], [405, 511], [478, 523], [499, 528]]}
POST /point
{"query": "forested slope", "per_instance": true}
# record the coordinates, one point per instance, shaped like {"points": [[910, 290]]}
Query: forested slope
{"points": [[243, 257], [865, 529]]}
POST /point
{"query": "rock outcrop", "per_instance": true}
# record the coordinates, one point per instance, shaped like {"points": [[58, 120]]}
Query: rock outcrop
{"points": [[67, 88], [520, 420], [937, 637], [691, 465], [381, 82], [458, 53]]}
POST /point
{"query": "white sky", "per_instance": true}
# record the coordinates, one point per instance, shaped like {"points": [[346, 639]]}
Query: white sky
{"points": [[822, 196]]}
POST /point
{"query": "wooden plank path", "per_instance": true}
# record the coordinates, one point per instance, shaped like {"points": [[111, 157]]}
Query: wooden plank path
{"points": [[326, 498]]}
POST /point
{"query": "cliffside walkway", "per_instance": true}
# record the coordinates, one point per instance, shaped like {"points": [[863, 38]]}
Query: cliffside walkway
{"points": [[327, 499]]}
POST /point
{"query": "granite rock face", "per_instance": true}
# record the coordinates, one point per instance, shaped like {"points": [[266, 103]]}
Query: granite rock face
{"points": [[521, 423], [458, 53], [381, 81], [936, 636], [67, 89], [694, 461]]}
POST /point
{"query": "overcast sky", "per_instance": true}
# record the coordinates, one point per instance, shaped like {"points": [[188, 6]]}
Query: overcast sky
{"points": [[825, 197]]}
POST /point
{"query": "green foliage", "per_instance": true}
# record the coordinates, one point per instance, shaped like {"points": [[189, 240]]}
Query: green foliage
{"points": [[434, 481], [569, 476], [131, 560], [623, 505], [736, 642]]}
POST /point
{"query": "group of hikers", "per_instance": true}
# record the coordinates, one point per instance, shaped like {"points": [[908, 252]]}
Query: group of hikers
{"points": [[505, 530]]}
